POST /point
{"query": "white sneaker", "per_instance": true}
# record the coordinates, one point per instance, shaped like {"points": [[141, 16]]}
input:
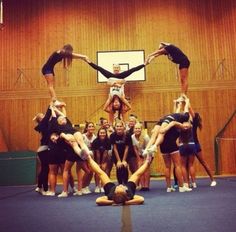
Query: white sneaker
{"points": [[38, 190], [170, 189], [78, 193], [213, 183], [43, 192], [63, 194], [86, 190], [184, 189], [102, 190], [74, 190], [194, 185], [186, 185], [97, 189], [49, 193]]}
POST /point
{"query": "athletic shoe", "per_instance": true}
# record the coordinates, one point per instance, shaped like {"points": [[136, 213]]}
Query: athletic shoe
{"points": [[175, 186], [74, 189], [194, 185], [43, 192], [186, 185], [102, 190], [63, 194], [78, 193], [170, 189], [38, 190], [184, 189], [97, 189], [49, 193], [213, 183], [86, 190]]}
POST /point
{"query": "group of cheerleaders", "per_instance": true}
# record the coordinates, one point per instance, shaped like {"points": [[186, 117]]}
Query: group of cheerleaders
{"points": [[128, 147]]}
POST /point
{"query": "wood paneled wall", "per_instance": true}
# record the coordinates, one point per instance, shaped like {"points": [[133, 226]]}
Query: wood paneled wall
{"points": [[227, 147], [204, 30]]}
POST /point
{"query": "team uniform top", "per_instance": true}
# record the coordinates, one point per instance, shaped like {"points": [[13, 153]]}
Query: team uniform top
{"points": [[43, 128], [177, 56], [110, 188], [178, 117], [101, 145], [48, 67], [121, 141]]}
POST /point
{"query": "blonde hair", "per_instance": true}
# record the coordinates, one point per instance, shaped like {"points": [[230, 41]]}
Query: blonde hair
{"points": [[37, 117], [142, 135]]}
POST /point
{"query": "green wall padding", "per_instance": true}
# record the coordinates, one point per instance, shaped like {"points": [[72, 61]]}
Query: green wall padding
{"points": [[17, 168]]}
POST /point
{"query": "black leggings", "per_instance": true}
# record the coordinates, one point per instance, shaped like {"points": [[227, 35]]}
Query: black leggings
{"points": [[122, 175], [121, 75], [43, 175]]}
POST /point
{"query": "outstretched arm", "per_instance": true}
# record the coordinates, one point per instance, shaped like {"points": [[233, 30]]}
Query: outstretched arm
{"points": [[156, 53], [79, 56]]}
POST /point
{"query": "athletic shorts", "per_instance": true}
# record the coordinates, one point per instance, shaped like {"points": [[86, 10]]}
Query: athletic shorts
{"points": [[168, 147], [184, 64], [45, 70], [57, 156], [72, 157], [198, 147], [187, 149]]}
